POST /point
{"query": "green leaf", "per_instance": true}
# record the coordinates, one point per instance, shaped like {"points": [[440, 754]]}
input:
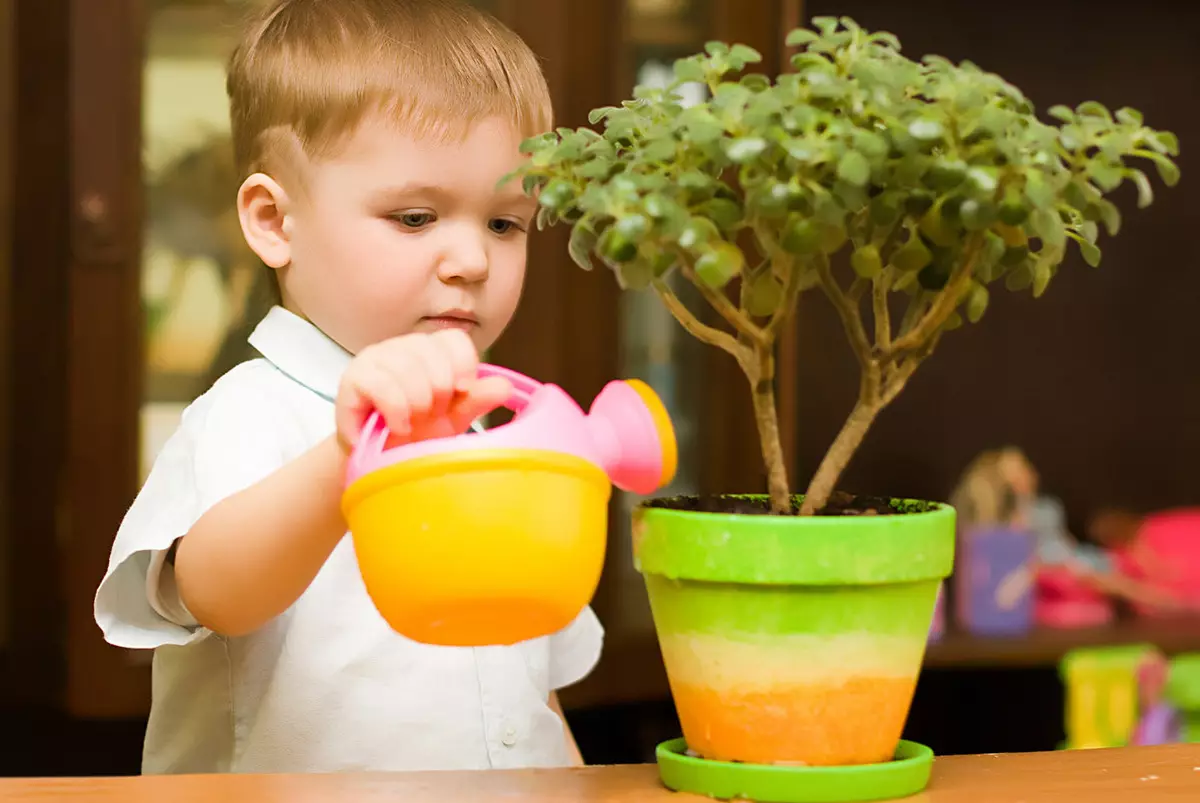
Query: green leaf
{"points": [[635, 275], [1167, 142], [1145, 191], [871, 144], [745, 149], [977, 302], [718, 265], [926, 130], [723, 212], [1129, 116], [833, 237], [1042, 274], [557, 195], [614, 248], [1107, 176], [825, 24], [913, 256], [1049, 226], [984, 179], [801, 236], [698, 232], [1111, 217], [763, 294], [715, 48], [977, 215], [1091, 108], [1020, 277], [755, 82], [632, 227], [596, 115], [990, 256], [866, 261], [800, 37], [1168, 171], [1013, 210], [583, 240], [854, 168], [1063, 113], [741, 55], [885, 209], [1038, 190], [1090, 252]]}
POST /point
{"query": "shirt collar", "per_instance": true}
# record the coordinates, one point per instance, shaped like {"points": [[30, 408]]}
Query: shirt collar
{"points": [[304, 353], [301, 351]]}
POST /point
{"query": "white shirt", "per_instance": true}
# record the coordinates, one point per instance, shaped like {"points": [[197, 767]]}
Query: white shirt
{"points": [[326, 686]]}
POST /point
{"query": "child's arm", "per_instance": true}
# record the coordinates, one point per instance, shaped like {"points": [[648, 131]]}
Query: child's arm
{"points": [[252, 555], [572, 745]]}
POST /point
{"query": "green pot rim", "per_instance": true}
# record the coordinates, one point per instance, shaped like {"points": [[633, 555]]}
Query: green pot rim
{"points": [[907, 775], [795, 550]]}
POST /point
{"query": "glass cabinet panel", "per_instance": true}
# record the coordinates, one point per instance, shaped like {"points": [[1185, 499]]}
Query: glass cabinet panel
{"points": [[202, 287], [654, 347]]}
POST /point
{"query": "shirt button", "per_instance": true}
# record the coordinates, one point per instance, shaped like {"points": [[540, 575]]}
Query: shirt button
{"points": [[510, 737]]}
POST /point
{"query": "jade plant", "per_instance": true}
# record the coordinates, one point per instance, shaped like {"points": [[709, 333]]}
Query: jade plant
{"points": [[904, 191]]}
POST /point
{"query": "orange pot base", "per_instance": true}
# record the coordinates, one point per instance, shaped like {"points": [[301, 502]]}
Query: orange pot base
{"points": [[818, 724]]}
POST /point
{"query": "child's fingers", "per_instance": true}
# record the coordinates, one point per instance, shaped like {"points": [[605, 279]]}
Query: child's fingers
{"points": [[371, 389], [455, 347], [439, 372], [478, 399]]}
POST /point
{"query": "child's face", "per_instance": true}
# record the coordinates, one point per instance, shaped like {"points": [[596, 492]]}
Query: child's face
{"points": [[396, 235]]}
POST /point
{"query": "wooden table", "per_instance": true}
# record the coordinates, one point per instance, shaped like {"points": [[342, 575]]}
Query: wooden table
{"points": [[1132, 775]]}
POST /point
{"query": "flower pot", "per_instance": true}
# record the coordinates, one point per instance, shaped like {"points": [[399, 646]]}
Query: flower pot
{"points": [[793, 640]]}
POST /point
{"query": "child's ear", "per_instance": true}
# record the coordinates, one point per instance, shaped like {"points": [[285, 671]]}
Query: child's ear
{"points": [[263, 208]]}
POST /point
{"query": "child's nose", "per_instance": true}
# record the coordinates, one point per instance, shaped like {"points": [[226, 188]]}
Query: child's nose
{"points": [[466, 260]]}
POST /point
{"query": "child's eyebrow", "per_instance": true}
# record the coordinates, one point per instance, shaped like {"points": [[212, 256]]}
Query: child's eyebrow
{"points": [[417, 191], [412, 191]]}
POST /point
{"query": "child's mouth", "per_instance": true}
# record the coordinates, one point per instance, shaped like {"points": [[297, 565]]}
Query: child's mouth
{"points": [[438, 322]]}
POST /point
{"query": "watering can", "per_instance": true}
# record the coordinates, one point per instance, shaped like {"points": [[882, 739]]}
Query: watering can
{"points": [[496, 537]]}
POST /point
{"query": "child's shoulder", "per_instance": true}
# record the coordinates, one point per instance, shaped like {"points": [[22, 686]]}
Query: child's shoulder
{"points": [[251, 396]]}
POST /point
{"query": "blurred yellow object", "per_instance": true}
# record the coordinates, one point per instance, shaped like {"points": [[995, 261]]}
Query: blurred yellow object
{"points": [[480, 547]]}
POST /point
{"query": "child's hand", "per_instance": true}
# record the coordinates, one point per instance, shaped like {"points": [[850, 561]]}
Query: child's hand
{"points": [[424, 386]]}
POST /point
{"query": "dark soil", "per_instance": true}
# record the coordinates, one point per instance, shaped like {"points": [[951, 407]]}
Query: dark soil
{"points": [[840, 504]]}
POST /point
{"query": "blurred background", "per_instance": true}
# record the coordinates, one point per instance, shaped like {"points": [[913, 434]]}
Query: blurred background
{"points": [[125, 289]]}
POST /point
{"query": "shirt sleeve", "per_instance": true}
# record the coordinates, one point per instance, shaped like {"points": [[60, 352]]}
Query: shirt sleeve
{"points": [[228, 439], [575, 650]]}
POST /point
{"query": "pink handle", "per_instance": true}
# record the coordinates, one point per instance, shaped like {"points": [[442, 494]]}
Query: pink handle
{"points": [[523, 386], [375, 432]]}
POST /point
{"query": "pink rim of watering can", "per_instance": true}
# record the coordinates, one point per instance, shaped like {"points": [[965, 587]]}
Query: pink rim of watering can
{"points": [[626, 433]]}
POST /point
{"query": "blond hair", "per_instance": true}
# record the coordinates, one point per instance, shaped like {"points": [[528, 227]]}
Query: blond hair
{"points": [[985, 495], [307, 72]]}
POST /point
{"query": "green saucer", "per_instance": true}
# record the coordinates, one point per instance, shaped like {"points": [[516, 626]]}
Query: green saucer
{"points": [[906, 775]]}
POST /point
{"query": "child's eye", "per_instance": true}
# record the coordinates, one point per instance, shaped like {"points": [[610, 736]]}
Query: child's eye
{"points": [[414, 220], [503, 226]]}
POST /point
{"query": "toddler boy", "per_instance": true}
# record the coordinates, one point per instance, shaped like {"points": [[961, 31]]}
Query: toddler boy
{"points": [[372, 134]]}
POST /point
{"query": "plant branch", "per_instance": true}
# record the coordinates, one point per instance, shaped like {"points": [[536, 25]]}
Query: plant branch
{"points": [[883, 316], [847, 310], [726, 308], [791, 291], [702, 332], [947, 301]]}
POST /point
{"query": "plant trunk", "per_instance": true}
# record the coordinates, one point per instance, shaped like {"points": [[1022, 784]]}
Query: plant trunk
{"points": [[838, 457], [767, 419]]}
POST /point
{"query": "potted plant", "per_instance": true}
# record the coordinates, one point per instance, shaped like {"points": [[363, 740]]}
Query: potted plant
{"points": [[793, 626]]}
